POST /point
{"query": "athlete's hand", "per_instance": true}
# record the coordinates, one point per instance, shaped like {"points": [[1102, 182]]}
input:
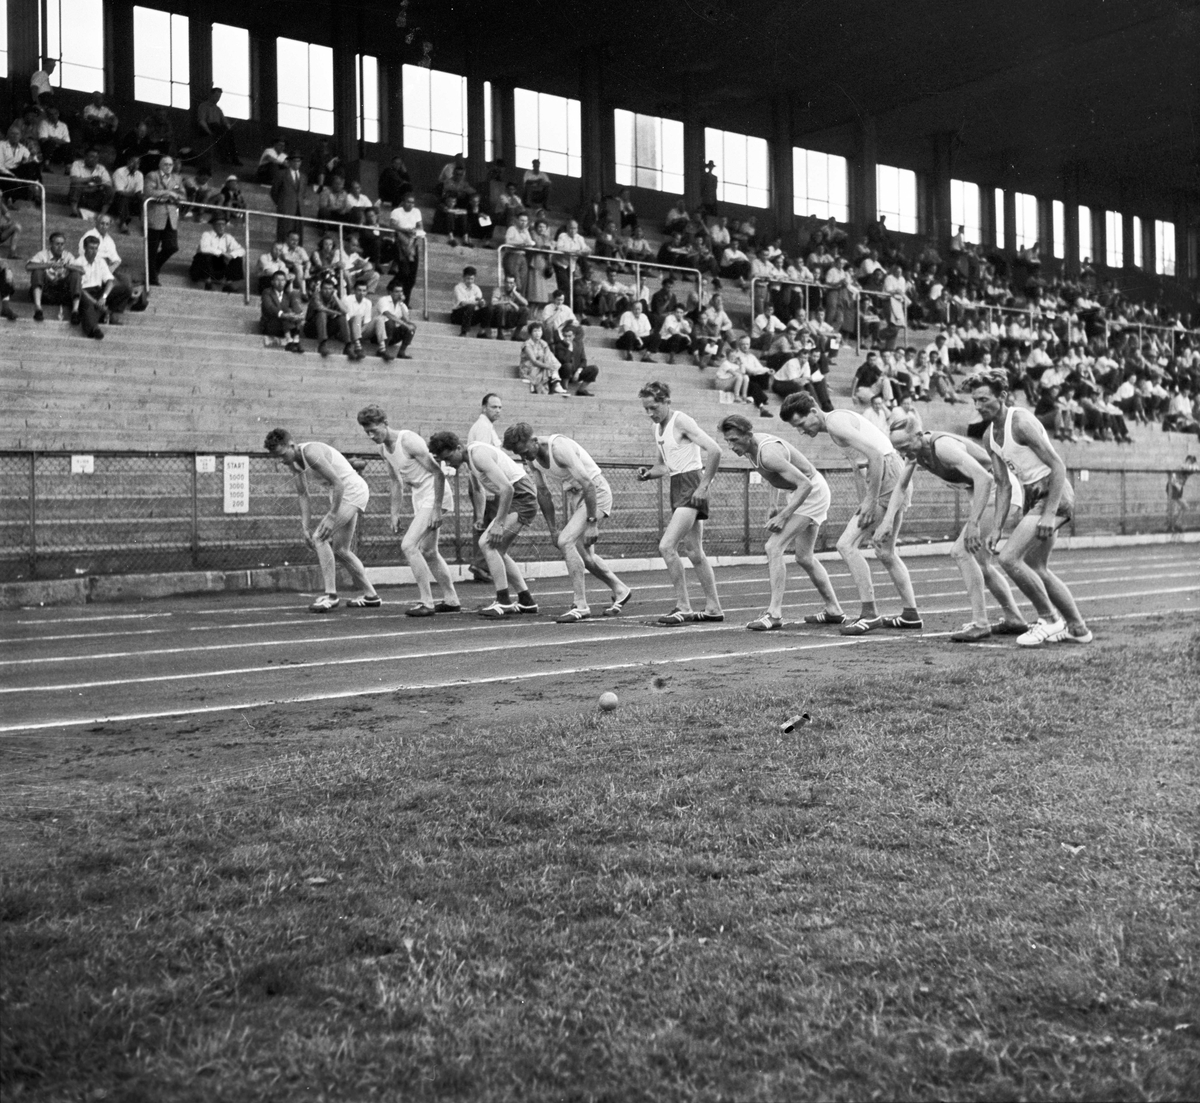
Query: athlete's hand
{"points": [[643, 473], [971, 538], [325, 529], [395, 524], [700, 494], [1045, 527], [993, 542], [882, 530], [867, 515], [306, 535], [554, 536], [776, 523], [492, 536], [435, 520], [591, 534]]}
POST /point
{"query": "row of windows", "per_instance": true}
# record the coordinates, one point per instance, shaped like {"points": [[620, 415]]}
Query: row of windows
{"points": [[649, 149]]}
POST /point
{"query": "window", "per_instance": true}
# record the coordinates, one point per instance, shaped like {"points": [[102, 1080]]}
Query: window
{"points": [[1025, 219], [649, 152], [231, 69], [1114, 246], [367, 70], [964, 210], [999, 218], [305, 84], [1164, 248], [3, 38], [1085, 234], [819, 185], [435, 110], [743, 171], [547, 128], [160, 58], [75, 37], [1138, 246], [1058, 228], [489, 138], [896, 197]]}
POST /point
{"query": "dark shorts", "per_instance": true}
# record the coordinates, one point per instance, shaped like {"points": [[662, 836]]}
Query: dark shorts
{"points": [[524, 503], [681, 494], [1035, 494]]}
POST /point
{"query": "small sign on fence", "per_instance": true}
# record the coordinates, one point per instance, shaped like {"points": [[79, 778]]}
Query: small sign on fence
{"points": [[1084, 475], [206, 465], [83, 465], [237, 484]]}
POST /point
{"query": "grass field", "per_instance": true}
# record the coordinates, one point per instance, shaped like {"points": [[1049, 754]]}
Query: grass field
{"points": [[968, 884]]}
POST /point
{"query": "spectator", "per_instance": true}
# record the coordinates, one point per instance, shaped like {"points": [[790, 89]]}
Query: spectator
{"points": [[713, 332], [18, 167], [54, 279], [230, 197], [469, 308], [282, 313], [509, 206], [371, 239], [607, 242], [327, 314], [818, 366], [334, 202], [793, 375], [539, 366], [99, 123], [298, 260], [327, 260], [358, 267], [516, 259], [271, 162], [201, 193], [535, 186], [41, 91], [8, 288], [734, 264], [394, 327], [708, 188], [272, 262], [406, 221], [323, 162], [165, 187], [730, 377], [787, 344], [358, 204], [214, 131], [100, 296], [634, 333], [870, 380], [9, 231], [509, 310], [480, 226], [158, 138], [564, 334], [54, 139], [766, 327], [636, 246], [360, 313], [573, 247], [541, 281], [128, 185], [287, 193], [450, 218], [219, 258], [626, 210], [675, 334], [758, 377], [107, 251], [394, 183]]}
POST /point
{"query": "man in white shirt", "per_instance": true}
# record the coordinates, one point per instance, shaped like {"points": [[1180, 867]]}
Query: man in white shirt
{"points": [[469, 306], [766, 326], [573, 243], [359, 313], [509, 310], [54, 139], [99, 122], [40, 89], [406, 220], [675, 334], [128, 185], [54, 279], [394, 328], [272, 262], [272, 161], [91, 184], [17, 165], [219, 258], [633, 333], [535, 186], [99, 292]]}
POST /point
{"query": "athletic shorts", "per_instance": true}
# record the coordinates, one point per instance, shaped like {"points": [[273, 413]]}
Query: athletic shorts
{"points": [[1036, 493], [422, 497], [604, 498], [682, 486], [816, 505], [893, 468], [524, 502], [355, 493]]}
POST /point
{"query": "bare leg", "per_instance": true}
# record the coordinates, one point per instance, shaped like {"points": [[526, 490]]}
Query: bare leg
{"points": [[885, 550], [681, 524], [413, 547], [1023, 559], [693, 547], [439, 568], [849, 547], [340, 544], [972, 576], [569, 538], [806, 542], [1060, 596], [500, 563]]}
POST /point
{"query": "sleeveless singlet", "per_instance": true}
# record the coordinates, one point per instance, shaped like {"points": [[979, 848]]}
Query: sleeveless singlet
{"points": [[817, 479], [1022, 461], [512, 470], [874, 434], [929, 460], [678, 456], [418, 479], [562, 476], [341, 466]]}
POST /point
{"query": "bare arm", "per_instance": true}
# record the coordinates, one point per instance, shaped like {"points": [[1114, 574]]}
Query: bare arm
{"points": [[396, 496], [336, 490], [489, 468], [1039, 444], [689, 430], [574, 464], [896, 501], [420, 453], [1003, 501]]}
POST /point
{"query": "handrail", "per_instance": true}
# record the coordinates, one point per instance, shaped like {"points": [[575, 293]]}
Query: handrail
{"points": [[786, 282], [858, 315], [228, 212], [538, 249], [42, 188], [638, 265]]}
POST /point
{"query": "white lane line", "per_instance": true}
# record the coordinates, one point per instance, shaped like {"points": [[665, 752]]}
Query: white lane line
{"points": [[413, 687], [414, 634]]}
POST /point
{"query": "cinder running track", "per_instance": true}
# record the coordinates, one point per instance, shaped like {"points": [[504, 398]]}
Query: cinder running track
{"points": [[66, 670]]}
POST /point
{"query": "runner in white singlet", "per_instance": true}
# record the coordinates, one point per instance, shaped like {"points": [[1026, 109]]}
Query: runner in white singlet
{"points": [[483, 429], [565, 471], [877, 469], [1020, 447], [806, 506], [690, 457], [333, 537], [410, 465]]}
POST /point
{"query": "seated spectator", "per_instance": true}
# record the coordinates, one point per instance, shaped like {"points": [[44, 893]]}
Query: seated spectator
{"points": [[870, 380], [819, 368], [509, 311], [18, 168], [535, 186], [677, 219], [359, 268], [730, 377], [449, 170], [675, 251], [54, 279], [516, 260], [334, 202], [282, 313], [359, 203], [298, 261], [230, 197], [371, 240], [54, 139], [323, 162], [272, 262], [758, 377], [8, 288], [90, 184], [394, 183], [9, 231], [793, 375], [128, 185], [713, 332], [625, 208], [634, 333], [469, 308], [271, 162], [1053, 411], [199, 190], [100, 296], [663, 301], [675, 335], [877, 414], [480, 226], [214, 131], [612, 297], [766, 327], [607, 242], [394, 327], [326, 316], [575, 247], [734, 264], [788, 343], [636, 246], [219, 259], [565, 337], [157, 139], [539, 366], [407, 223], [509, 206], [106, 249], [360, 313], [99, 123], [450, 218]]}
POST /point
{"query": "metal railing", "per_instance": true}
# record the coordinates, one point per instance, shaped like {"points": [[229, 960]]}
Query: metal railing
{"points": [[502, 248], [40, 187], [165, 511], [808, 286], [275, 216]]}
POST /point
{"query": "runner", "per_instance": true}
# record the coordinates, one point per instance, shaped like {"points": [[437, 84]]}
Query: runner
{"points": [[409, 464], [333, 537], [514, 489], [483, 431], [563, 467], [960, 462], [877, 469], [1176, 482], [681, 446], [798, 521], [1018, 443]]}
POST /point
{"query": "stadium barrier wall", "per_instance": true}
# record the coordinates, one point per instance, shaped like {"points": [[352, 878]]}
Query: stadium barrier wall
{"points": [[141, 512]]}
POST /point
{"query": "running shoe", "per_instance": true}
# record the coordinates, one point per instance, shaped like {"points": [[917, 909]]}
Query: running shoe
{"points": [[531, 608], [861, 626], [573, 616], [1066, 636], [420, 610], [364, 602], [614, 610], [972, 633], [325, 603], [766, 623], [446, 607], [825, 617], [675, 618], [495, 611], [1010, 628], [901, 622], [1041, 632]]}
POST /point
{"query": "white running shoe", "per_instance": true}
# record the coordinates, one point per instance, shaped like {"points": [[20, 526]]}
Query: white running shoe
{"points": [[496, 610], [1066, 637], [1044, 631]]}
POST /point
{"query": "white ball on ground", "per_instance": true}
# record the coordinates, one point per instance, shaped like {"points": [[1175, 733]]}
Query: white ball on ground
{"points": [[608, 701]]}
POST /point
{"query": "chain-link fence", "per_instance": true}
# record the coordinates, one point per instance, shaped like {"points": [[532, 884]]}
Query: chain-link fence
{"points": [[122, 512]]}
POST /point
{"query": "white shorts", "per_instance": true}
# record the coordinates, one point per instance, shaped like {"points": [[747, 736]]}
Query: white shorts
{"points": [[816, 505], [604, 498], [422, 497], [355, 493]]}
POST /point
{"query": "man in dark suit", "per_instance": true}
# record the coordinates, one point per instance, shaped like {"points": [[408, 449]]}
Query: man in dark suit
{"points": [[287, 193], [165, 187]]}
